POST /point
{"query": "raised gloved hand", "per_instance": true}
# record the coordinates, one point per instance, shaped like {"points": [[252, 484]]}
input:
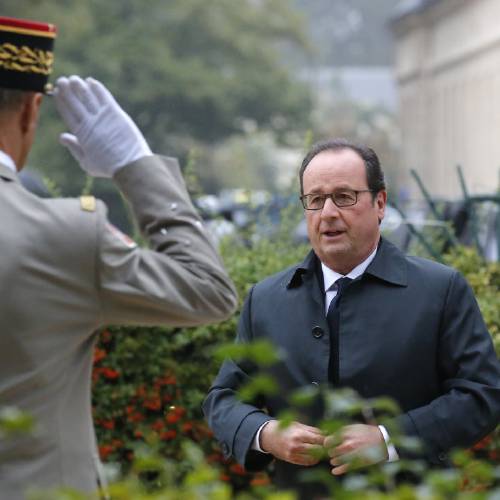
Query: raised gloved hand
{"points": [[103, 137]]}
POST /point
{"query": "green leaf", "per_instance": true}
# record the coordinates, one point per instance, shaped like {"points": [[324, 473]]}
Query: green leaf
{"points": [[15, 421], [258, 386], [305, 396]]}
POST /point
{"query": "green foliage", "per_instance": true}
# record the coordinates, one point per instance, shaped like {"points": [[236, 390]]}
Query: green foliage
{"points": [[260, 352], [14, 422], [189, 72], [470, 479], [149, 385]]}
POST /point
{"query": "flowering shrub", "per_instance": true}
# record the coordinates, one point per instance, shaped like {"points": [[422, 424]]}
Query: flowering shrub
{"points": [[149, 382], [142, 393], [484, 279]]}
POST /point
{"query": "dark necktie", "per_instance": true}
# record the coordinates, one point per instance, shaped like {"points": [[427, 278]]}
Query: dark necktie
{"points": [[332, 319]]}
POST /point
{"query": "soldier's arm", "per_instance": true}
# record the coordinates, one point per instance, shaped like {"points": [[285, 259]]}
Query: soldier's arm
{"points": [[180, 279]]}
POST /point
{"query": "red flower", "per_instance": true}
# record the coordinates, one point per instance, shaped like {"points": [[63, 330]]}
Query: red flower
{"points": [[105, 450], [108, 424], [168, 435], [99, 354], [187, 427], [141, 391], [136, 417], [180, 411], [170, 380], [238, 470], [105, 336], [110, 373], [260, 480], [138, 434], [172, 418], [158, 425], [225, 477], [152, 404], [483, 443]]}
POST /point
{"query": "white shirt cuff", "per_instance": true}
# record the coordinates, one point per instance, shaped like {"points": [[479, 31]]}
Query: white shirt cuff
{"points": [[256, 439], [391, 450]]}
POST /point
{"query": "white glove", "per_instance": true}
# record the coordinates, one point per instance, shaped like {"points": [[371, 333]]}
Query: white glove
{"points": [[103, 137]]}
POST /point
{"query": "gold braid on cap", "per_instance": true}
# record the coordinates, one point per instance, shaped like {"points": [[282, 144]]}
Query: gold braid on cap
{"points": [[26, 59]]}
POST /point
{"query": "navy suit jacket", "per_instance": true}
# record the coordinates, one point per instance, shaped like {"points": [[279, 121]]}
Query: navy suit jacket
{"points": [[410, 329]]}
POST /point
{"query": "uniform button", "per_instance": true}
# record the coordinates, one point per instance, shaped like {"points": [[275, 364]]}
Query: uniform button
{"points": [[317, 332], [225, 448], [163, 231], [315, 383], [173, 206], [442, 457], [199, 224], [187, 242]]}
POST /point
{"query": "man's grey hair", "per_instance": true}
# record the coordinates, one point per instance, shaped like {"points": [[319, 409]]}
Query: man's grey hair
{"points": [[10, 99]]}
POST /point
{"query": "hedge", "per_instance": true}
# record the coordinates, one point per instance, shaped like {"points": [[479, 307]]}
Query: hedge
{"points": [[148, 383]]}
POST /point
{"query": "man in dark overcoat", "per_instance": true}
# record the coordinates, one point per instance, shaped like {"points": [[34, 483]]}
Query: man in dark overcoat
{"points": [[358, 313]]}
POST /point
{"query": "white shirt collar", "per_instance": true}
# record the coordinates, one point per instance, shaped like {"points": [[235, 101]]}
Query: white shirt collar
{"points": [[6, 160], [330, 276]]}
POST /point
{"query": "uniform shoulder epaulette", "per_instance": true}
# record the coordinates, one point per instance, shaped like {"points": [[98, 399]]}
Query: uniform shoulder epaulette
{"points": [[88, 203]]}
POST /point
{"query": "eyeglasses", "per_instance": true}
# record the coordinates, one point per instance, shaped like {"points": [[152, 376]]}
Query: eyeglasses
{"points": [[341, 198]]}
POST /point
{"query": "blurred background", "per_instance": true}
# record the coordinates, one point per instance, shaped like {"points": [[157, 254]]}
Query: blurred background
{"points": [[238, 90]]}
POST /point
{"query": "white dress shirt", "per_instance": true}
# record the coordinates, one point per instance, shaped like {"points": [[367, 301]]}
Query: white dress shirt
{"points": [[6, 160], [329, 278]]}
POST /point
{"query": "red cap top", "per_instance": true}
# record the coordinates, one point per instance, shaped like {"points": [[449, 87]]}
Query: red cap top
{"points": [[26, 27]]}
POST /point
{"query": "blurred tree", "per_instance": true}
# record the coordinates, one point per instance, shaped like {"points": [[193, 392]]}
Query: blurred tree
{"points": [[190, 72]]}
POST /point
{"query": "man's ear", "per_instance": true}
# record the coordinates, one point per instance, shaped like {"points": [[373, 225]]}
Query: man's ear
{"points": [[29, 112], [380, 203]]}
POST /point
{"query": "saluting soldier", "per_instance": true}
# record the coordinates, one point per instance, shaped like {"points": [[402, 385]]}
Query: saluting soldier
{"points": [[65, 270]]}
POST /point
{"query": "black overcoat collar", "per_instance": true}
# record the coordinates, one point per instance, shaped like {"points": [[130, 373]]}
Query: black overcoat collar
{"points": [[388, 265]]}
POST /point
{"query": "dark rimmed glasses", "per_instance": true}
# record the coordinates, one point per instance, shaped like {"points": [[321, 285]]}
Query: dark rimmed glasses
{"points": [[342, 198]]}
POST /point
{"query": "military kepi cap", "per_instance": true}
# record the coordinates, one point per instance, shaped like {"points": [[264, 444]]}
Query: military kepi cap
{"points": [[26, 54]]}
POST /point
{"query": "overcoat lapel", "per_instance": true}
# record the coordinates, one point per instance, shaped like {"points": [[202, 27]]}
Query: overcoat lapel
{"points": [[305, 290]]}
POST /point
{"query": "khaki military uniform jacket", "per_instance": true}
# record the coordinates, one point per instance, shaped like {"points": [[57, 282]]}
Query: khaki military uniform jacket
{"points": [[63, 274]]}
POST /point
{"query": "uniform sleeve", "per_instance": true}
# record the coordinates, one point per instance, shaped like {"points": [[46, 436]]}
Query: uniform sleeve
{"points": [[470, 405], [233, 421], [180, 279]]}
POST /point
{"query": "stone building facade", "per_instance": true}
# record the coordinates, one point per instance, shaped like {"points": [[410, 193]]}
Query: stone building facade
{"points": [[448, 73]]}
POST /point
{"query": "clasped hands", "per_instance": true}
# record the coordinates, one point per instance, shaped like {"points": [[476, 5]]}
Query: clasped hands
{"points": [[351, 447]]}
